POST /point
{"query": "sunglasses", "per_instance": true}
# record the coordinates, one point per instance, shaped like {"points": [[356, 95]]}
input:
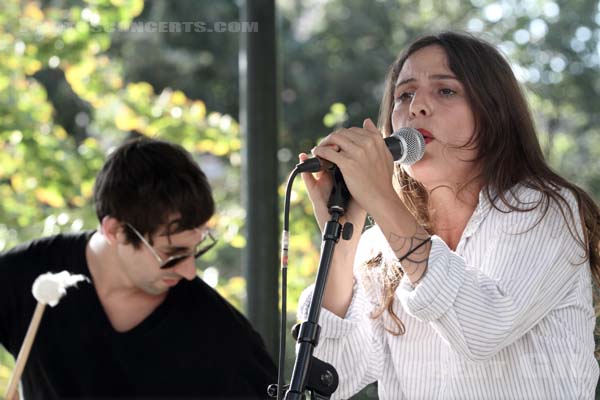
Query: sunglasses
{"points": [[172, 261]]}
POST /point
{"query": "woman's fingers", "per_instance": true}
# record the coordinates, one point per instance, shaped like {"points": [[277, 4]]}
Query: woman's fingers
{"points": [[369, 125], [318, 187], [348, 138], [364, 160], [328, 153], [355, 143], [309, 178]]}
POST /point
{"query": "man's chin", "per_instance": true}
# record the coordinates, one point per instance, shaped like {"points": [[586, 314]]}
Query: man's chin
{"points": [[170, 282], [155, 290]]}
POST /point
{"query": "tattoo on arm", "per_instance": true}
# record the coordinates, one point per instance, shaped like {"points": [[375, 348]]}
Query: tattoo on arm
{"points": [[417, 247]]}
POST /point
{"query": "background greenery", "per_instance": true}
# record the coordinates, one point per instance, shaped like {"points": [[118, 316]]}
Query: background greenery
{"points": [[72, 88]]}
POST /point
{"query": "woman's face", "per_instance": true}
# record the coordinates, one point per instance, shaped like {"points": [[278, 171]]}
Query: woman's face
{"points": [[429, 97]]}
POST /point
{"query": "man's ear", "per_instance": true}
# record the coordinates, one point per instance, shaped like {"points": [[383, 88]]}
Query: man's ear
{"points": [[113, 231]]}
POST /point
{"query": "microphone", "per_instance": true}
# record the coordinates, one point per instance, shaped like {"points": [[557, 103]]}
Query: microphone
{"points": [[406, 145]]}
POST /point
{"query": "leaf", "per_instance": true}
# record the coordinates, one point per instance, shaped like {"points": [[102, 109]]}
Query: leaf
{"points": [[33, 12], [50, 196], [178, 98], [238, 241], [198, 110], [338, 108], [125, 119]]}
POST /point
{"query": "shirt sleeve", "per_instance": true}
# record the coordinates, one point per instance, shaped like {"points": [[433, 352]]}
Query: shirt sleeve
{"points": [[354, 345], [530, 265]]}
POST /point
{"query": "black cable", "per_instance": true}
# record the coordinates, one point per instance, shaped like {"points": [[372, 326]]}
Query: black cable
{"points": [[285, 236]]}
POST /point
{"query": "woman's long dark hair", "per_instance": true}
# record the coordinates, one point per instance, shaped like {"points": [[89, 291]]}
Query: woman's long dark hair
{"points": [[508, 148]]}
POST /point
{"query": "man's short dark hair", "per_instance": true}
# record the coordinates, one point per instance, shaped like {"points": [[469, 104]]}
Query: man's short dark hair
{"points": [[146, 182]]}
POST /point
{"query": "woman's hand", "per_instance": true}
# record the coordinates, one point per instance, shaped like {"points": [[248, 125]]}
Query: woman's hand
{"points": [[365, 162], [319, 188]]}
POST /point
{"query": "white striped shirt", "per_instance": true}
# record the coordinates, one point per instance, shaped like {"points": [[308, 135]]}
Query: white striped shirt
{"points": [[505, 316]]}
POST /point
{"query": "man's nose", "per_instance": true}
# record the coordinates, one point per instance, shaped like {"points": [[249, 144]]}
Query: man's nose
{"points": [[186, 268]]}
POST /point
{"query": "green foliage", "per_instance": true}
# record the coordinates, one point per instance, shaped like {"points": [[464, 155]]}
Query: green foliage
{"points": [[6, 365], [553, 47], [334, 57], [336, 116], [46, 176], [42, 172]]}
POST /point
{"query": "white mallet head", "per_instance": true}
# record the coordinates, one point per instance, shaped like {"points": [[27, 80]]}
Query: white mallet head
{"points": [[48, 288]]}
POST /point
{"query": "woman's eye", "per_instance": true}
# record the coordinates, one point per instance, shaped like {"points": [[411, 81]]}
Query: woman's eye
{"points": [[447, 92], [405, 96]]}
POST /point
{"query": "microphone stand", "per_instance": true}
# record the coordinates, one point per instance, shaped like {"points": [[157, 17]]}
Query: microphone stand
{"points": [[311, 374]]}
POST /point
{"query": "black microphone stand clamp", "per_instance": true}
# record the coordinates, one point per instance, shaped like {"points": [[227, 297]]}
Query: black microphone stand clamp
{"points": [[310, 374]]}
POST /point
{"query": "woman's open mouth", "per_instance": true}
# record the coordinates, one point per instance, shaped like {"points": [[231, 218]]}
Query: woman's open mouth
{"points": [[427, 136]]}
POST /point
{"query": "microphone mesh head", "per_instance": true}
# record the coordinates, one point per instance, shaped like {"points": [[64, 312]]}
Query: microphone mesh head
{"points": [[414, 145]]}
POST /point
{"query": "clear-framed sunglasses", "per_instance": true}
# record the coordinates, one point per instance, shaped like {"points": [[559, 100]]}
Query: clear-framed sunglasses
{"points": [[201, 248]]}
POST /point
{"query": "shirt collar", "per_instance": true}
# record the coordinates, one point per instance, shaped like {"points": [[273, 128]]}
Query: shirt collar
{"points": [[481, 212]]}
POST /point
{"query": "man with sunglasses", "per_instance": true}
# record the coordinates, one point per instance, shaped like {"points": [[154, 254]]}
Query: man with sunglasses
{"points": [[146, 327]]}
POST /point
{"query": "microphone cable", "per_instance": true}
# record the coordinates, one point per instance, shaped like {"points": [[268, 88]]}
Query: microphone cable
{"points": [[285, 239]]}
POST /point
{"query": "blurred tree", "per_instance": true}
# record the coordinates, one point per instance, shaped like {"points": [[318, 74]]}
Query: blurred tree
{"points": [[327, 44], [554, 50], [48, 163], [332, 51], [201, 64]]}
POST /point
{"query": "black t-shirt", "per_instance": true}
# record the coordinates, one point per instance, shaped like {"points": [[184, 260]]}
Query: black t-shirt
{"points": [[194, 345]]}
